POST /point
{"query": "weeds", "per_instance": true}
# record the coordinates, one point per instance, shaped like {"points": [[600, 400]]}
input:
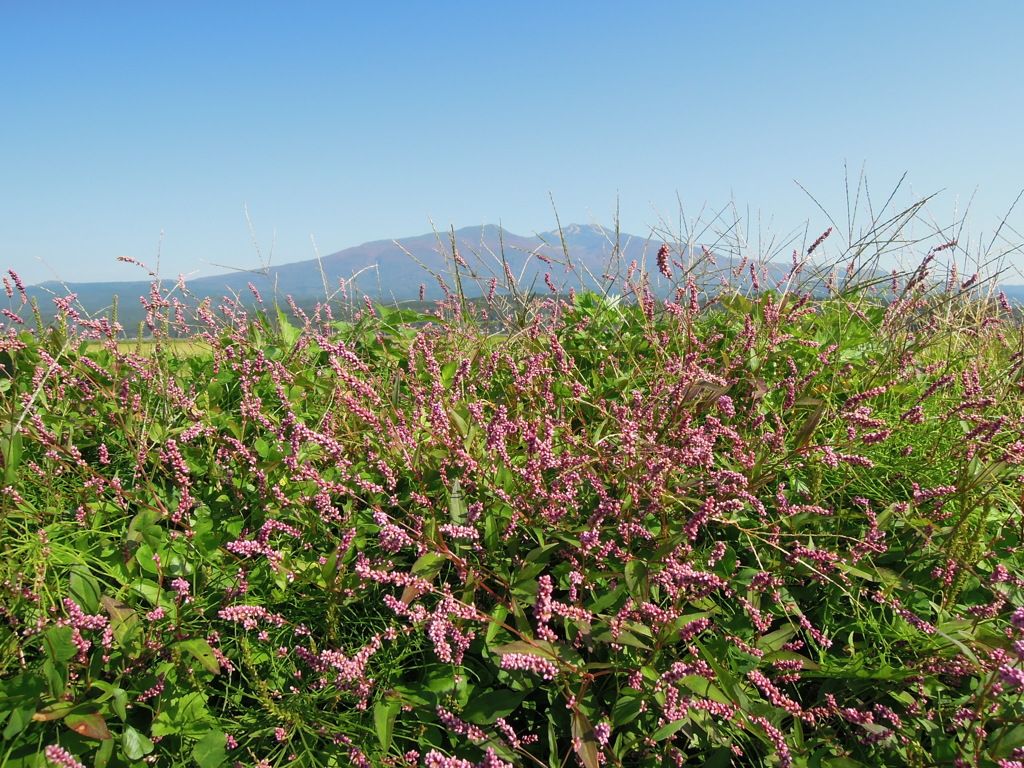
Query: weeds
{"points": [[766, 526]]}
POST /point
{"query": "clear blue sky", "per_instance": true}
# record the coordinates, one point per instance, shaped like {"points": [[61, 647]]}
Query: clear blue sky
{"points": [[348, 122]]}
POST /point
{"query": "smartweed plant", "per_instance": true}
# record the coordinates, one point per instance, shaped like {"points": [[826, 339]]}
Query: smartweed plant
{"points": [[663, 522]]}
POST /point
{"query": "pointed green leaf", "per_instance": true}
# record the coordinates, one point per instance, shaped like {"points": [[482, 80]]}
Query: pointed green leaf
{"points": [[135, 745], [384, 714], [775, 640], [84, 589], [488, 707], [289, 333], [53, 711], [103, 754], [667, 730], [18, 721], [521, 646], [636, 576], [56, 673], [211, 751], [457, 508], [583, 738], [124, 622], [803, 436], [201, 651], [59, 646], [428, 566], [92, 726], [11, 457]]}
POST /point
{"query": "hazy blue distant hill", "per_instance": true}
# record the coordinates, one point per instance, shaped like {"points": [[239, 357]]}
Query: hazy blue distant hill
{"points": [[387, 270]]}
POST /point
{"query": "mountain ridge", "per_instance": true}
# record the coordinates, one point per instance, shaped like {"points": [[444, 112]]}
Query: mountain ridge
{"points": [[588, 245], [398, 270]]}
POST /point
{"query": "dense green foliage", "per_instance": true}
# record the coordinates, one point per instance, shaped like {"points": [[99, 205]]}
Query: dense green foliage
{"points": [[762, 530]]}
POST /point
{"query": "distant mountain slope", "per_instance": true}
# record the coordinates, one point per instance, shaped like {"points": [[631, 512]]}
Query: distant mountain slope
{"points": [[395, 269], [387, 270]]}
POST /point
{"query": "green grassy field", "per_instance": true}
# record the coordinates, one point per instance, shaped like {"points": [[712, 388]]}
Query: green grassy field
{"points": [[761, 529]]}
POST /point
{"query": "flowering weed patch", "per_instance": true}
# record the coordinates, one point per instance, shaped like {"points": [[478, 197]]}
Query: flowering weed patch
{"points": [[734, 530]]}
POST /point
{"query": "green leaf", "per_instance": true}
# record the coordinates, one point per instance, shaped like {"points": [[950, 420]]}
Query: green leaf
{"points": [[392, 317], [150, 590], [583, 737], [627, 708], [705, 688], [124, 623], [186, 714], [27, 686], [143, 527], [11, 457], [636, 577], [92, 726], [498, 615], [534, 649], [19, 720], [428, 566], [775, 640], [211, 751], [289, 333], [485, 708], [117, 696], [605, 598], [448, 373], [1003, 742], [135, 744], [201, 651], [804, 434], [144, 557], [622, 638], [56, 673], [460, 424], [54, 711], [457, 507], [439, 678], [84, 589], [384, 714], [103, 754], [727, 681], [541, 555], [262, 447], [58, 644], [20, 697], [668, 730]]}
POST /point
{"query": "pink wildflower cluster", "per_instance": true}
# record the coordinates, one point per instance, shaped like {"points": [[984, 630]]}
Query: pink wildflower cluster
{"points": [[349, 671], [250, 616], [640, 528], [529, 662], [450, 642], [61, 757], [260, 545], [435, 759], [460, 727]]}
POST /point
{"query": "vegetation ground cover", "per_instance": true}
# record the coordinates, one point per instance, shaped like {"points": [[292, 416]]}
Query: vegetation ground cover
{"points": [[763, 529]]}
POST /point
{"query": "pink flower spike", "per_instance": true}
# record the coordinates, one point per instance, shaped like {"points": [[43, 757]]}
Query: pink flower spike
{"points": [[61, 757]]}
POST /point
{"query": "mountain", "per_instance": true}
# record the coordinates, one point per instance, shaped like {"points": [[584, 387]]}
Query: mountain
{"points": [[390, 271], [387, 270], [394, 270]]}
